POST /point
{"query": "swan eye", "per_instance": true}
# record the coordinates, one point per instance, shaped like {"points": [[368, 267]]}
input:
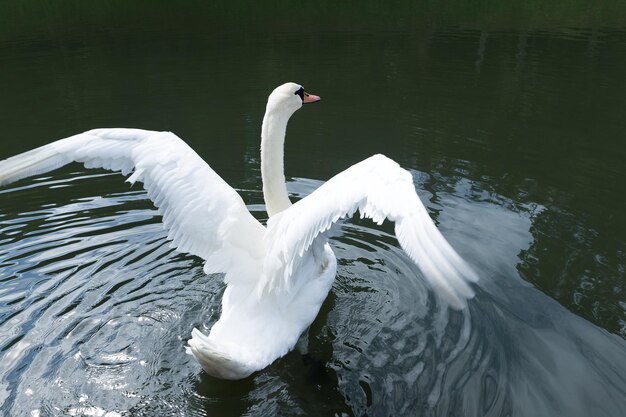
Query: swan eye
{"points": [[300, 93]]}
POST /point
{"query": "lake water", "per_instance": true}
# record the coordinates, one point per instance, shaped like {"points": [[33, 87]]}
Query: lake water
{"points": [[513, 130]]}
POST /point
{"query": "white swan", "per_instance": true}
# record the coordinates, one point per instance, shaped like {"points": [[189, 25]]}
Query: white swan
{"points": [[277, 276]]}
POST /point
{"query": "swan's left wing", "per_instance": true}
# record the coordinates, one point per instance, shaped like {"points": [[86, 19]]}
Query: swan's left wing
{"points": [[203, 214], [380, 189]]}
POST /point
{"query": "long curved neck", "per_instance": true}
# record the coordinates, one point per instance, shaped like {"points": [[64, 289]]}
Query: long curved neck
{"points": [[272, 165]]}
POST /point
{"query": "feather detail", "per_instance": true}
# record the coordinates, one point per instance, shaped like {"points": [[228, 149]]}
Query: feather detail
{"points": [[379, 189], [203, 213]]}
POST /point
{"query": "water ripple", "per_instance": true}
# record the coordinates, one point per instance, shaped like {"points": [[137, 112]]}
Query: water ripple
{"points": [[95, 308]]}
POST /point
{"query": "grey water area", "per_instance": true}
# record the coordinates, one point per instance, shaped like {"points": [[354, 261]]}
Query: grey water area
{"points": [[514, 138]]}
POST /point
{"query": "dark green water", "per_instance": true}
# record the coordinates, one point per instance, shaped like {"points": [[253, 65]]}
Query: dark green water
{"points": [[511, 119]]}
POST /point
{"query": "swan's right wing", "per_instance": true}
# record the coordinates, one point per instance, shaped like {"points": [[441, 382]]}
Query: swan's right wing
{"points": [[380, 189], [203, 214]]}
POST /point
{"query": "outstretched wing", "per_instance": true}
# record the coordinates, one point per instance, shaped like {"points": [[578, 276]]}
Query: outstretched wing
{"points": [[203, 214], [380, 189]]}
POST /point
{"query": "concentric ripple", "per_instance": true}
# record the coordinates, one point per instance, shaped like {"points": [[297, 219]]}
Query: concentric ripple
{"points": [[95, 310]]}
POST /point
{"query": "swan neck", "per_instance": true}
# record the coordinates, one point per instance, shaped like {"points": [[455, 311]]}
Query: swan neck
{"points": [[272, 163]]}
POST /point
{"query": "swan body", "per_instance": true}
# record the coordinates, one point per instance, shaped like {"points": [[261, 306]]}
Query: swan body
{"points": [[277, 276]]}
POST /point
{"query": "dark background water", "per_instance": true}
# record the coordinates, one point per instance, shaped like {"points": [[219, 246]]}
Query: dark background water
{"points": [[510, 117]]}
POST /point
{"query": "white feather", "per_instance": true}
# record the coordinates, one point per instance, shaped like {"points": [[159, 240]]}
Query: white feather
{"points": [[381, 190], [196, 204]]}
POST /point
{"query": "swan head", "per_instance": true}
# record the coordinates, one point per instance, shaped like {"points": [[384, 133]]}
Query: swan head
{"points": [[288, 98]]}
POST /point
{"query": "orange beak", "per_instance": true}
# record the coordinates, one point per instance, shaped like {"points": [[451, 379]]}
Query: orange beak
{"points": [[310, 98]]}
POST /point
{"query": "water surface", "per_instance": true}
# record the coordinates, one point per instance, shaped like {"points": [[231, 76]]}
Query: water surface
{"points": [[514, 137]]}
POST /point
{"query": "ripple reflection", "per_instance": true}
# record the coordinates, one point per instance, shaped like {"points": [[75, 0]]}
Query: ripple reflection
{"points": [[96, 307]]}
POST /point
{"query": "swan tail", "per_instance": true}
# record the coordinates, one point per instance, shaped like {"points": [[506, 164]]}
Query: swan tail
{"points": [[37, 161], [215, 360]]}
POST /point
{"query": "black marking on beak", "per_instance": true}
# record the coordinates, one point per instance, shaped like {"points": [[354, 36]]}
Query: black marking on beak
{"points": [[300, 93]]}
